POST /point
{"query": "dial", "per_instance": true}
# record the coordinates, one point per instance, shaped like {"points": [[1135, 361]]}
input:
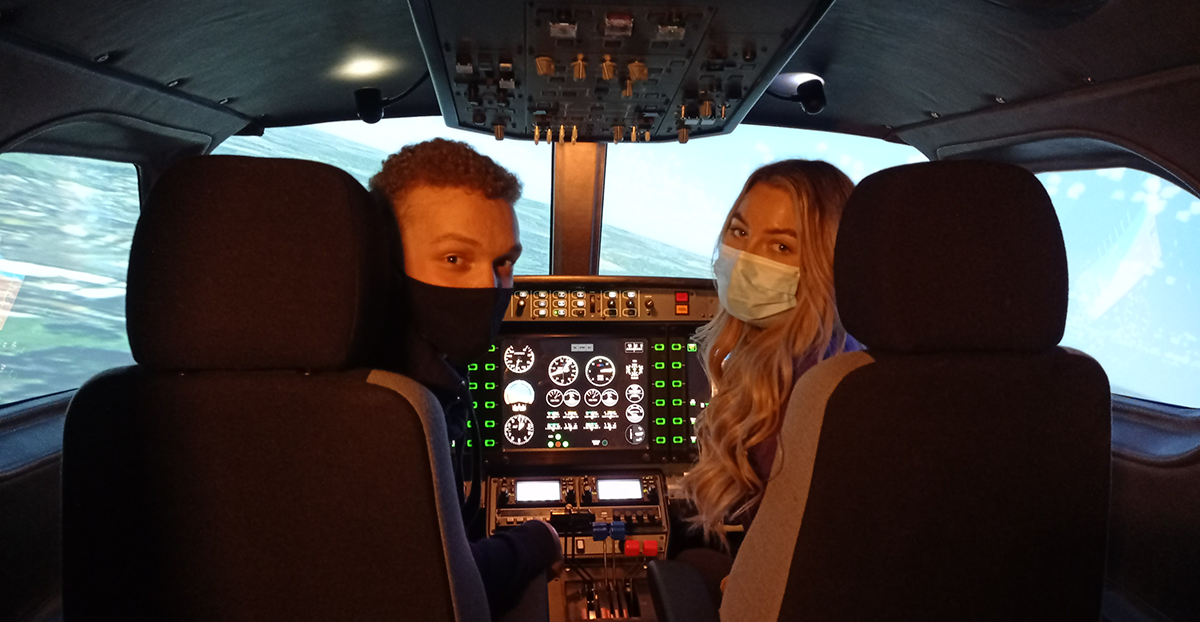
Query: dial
{"points": [[518, 360], [601, 371], [571, 398], [634, 393], [591, 397], [518, 392], [563, 370], [634, 434], [554, 398], [518, 429], [610, 397], [635, 413]]}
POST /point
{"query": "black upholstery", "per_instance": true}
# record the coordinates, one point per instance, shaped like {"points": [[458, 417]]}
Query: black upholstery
{"points": [[254, 263], [251, 467], [943, 256], [959, 468]]}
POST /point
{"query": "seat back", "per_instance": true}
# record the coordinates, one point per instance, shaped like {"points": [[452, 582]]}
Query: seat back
{"points": [[958, 468], [252, 466]]}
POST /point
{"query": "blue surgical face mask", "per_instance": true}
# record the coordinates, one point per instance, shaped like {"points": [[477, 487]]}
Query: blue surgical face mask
{"points": [[752, 288]]}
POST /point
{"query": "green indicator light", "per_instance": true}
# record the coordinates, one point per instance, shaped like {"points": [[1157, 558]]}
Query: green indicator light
{"points": [[470, 443], [677, 346], [678, 440], [676, 365], [659, 347], [475, 405], [473, 385], [489, 423], [489, 443], [550, 444], [677, 383], [473, 367], [660, 440], [468, 424], [677, 402], [660, 365], [489, 367], [489, 385], [566, 444], [660, 421], [489, 405], [658, 384], [677, 421], [660, 402], [558, 437], [692, 347], [492, 348]]}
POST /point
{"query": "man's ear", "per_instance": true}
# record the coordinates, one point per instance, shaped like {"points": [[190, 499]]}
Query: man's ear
{"points": [[391, 225]]}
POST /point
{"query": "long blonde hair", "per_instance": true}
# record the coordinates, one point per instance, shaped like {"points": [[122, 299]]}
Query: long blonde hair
{"points": [[751, 368]]}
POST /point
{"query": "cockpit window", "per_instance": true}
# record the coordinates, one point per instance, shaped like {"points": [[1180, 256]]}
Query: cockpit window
{"points": [[359, 149], [1133, 248], [66, 225], [664, 203]]}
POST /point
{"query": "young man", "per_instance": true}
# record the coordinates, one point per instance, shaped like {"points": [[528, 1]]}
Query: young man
{"points": [[460, 239]]}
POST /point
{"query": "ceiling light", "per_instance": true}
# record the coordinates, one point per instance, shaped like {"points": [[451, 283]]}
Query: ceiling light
{"points": [[806, 89], [365, 66]]}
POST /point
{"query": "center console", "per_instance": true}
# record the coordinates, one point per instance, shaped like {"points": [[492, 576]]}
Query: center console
{"points": [[587, 407]]}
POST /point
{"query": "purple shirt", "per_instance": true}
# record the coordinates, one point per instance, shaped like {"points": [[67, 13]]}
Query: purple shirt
{"points": [[762, 455]]}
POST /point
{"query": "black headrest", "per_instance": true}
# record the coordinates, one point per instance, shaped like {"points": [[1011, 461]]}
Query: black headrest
{"points": [[252, 263], [962, 255]]}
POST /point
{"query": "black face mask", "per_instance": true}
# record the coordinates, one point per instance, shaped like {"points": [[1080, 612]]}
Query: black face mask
{"points": [[458, 322]]}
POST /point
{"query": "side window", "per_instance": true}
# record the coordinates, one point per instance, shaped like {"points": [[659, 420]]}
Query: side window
{"points": [[66, 225], [1133, 249], [360, 149], [664, 203]]}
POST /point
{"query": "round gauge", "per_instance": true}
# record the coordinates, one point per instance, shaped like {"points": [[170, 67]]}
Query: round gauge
{"points": [[600, 370], [571, 398], [518, 361], [634, 393], [634, 434], [635, 413], [518, 429], [610, 397], [518, 392], [563, 370], [591, 397], [554, 398]]}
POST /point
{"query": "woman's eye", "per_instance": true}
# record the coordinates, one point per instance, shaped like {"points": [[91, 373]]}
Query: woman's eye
{"points": [[783, 248], [738, 231], [453, 259]]}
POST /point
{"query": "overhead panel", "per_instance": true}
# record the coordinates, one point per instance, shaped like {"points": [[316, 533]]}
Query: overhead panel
{"points": [[554, 72]]}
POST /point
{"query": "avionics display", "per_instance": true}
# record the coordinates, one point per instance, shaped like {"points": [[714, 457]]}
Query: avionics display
{"points": [[574, 393]]}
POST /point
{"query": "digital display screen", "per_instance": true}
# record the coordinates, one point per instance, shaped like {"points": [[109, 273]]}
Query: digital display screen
{"points": [[585, 392], [618, 489], [537, 491]]}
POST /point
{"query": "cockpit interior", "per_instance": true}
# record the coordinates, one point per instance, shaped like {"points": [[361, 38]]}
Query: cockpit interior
{"points": [[196, 423]]}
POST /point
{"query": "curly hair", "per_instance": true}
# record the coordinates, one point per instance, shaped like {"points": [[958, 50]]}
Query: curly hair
{"points": [[444, 163]]}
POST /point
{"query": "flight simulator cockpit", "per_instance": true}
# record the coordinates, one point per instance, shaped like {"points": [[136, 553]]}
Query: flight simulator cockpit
{"points": [[586, 410]]}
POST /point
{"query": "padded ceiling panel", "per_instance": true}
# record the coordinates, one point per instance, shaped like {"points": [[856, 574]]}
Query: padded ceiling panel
{"points": [[889, 63], [272, 58]]}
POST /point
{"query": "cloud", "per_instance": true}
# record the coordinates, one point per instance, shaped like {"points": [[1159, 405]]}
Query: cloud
{"points": [[1076, 190], [1118, 195], [1114, 174], [1183, 216]]}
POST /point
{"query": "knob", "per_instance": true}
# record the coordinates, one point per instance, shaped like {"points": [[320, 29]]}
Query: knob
{"points": [[479, 117], [502, 498], [629, 303], [608, 68], [587, 496], [579, 67], [649, 303], [545, 65], [570, 498], [498, 130], [683, 135]]}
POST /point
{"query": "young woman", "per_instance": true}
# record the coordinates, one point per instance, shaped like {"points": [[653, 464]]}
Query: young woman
{"points": [[774, 272]]}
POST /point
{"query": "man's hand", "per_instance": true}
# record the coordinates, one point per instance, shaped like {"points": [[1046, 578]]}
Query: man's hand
{"points": [[555, 568]]}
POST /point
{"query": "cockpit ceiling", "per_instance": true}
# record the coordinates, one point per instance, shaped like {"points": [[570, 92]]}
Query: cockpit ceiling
{"points": [[886, 64]]}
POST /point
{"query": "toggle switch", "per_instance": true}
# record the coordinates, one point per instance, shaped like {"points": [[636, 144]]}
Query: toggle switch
{"points": [[537, 134], [545, 65], [638, 71]]}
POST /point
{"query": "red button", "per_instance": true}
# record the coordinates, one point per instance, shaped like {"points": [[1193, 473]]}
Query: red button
{"points": [[650, 548], [633, 547], [681, 296]]}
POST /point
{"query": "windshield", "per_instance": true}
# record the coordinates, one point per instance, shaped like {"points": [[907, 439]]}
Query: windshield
{"points": [[360, 149]]}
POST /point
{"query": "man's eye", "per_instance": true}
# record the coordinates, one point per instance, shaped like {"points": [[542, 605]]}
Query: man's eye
{"points": [[453, 259], [783, 248]]}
